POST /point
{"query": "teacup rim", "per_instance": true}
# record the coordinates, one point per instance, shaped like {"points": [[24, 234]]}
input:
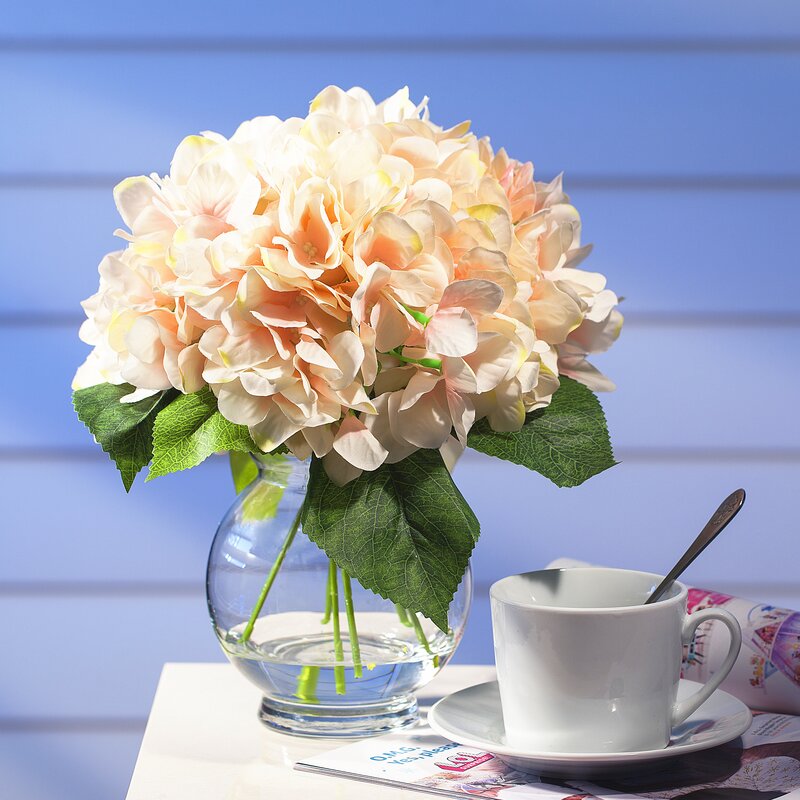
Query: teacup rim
{"points": [[676, 599]]}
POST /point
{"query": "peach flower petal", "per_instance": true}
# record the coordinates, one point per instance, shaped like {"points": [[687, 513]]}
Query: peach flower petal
{"points": [[358, 446]]}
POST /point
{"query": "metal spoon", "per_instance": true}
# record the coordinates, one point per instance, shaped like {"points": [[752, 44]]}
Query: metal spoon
{"points": [[728, 509]]}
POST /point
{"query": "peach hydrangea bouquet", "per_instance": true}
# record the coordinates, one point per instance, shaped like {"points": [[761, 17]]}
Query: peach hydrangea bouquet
{"points": [[369, 290]]}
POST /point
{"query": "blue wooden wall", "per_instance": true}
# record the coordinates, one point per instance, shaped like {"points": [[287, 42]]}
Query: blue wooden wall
{"points": [[677, 125]]}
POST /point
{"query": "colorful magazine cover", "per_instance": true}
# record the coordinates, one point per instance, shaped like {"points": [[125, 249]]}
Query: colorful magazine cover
{"points": [[761, 765]]}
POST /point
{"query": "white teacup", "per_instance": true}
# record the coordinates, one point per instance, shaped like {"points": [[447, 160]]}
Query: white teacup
{"points": [[585, 667]]}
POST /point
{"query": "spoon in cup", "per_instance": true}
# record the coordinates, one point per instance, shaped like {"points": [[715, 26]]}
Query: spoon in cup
{"points": [[728, 509]]}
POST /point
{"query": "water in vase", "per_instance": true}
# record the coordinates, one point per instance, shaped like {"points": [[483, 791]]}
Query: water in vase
{"points": [[302, 667]]}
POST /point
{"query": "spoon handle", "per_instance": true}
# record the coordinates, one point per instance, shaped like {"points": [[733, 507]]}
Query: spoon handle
{"points": [[728, 509]]}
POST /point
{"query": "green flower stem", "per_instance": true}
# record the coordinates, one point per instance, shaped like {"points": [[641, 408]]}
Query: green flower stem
{"points": [[352, 631], [430, 363], [338, 647], [410, 620], [273, 573], [307, 684], [423, 319], [326, 617], [423, 640]]}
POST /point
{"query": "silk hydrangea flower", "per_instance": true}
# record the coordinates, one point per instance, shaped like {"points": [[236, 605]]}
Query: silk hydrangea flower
{"points": [[356, 284]]}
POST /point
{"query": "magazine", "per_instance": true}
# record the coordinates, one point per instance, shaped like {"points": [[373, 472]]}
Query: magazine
{"points": [[761, 765]]}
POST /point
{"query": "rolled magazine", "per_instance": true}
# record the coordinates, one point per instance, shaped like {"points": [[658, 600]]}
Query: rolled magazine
{"points": [[766, 675]]}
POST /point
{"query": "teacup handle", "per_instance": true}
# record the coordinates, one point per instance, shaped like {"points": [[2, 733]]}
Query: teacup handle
{"points": [[682, 709]]}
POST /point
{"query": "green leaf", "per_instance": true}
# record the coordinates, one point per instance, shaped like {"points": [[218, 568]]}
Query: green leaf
{"points": [[189, 430], [262, 502], [123, 430], [404, 531], [264, 497], [566, 442], [243, 470]]}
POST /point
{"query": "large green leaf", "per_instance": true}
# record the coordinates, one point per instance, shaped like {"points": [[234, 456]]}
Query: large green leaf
{"points": [[566, 442], [189, 430], [404, 531], [123, 430]]}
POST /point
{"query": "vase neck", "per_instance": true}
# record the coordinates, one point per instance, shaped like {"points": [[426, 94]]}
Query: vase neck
{"points": [[283, 470]]}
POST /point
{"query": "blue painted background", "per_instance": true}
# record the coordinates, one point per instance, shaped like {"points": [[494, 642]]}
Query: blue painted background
{"points": [[677, 125]]}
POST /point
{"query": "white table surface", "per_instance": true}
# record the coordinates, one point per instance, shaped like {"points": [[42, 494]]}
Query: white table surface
{"points": [[204, 741]]}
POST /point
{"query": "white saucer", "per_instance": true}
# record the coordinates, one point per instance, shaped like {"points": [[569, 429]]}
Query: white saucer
{"points": [[473, 717]]}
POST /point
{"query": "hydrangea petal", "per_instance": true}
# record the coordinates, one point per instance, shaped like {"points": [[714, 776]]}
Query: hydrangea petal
{"points": [[477, 296], [133, 196], [339, 470], [355, 443], [273, 430], [239, 406], [320, 438], [451, 332], [428, 421]]}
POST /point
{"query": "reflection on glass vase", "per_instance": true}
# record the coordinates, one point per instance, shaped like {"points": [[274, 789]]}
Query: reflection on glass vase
{"points": [[330, 657]]}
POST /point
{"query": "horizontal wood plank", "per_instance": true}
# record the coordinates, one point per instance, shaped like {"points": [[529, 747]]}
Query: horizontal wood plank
{"points": [[75, 535], [92, 765], [73, 523], [636, 516], [99, 660], [669, 253], [630, 114], [444, 20], [695, 387]]}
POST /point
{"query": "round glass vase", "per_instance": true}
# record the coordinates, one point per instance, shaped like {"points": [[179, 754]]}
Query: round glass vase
{"points": [[330, 657]]}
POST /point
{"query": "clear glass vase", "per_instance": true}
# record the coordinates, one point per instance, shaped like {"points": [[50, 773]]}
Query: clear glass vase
{"points": [[330, 657]]}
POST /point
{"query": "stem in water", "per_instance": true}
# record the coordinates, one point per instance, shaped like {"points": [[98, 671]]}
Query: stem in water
{"points": [[307, 684], [273, 573], [352, 632], [338, 647], [423, 640], [326, 617]]}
